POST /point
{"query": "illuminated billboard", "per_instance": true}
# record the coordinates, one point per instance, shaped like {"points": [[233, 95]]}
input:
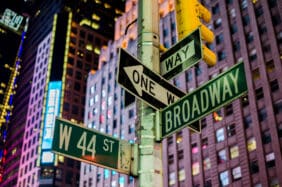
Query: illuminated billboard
{"points": [[12, 20], [52, 109]]}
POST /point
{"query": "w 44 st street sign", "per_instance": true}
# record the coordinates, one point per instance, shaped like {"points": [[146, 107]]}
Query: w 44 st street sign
{"points": [[182, 55], [89, 146], [219, 91]]}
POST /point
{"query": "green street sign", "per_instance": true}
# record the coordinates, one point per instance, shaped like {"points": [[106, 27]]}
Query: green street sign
{"points": [[211, 96], [89, 146], [182, 55]]}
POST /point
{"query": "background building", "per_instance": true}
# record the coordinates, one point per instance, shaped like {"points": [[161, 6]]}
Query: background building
{"points": [[63, 45], [241, 143], [13, 26]]}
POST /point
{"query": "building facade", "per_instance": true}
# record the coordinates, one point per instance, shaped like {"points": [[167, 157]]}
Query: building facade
{"points": [[62, 47], [240, 144]]}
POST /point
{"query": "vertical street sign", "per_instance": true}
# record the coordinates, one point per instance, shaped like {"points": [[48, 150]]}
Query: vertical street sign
{"points": [[144, 83], [90, 146], [182, 55], [214, 94]]}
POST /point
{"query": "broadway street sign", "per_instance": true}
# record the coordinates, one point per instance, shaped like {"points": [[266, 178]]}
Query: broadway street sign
{"points": [[144, 83], [89, 146], [181, 56], [216, 93]]}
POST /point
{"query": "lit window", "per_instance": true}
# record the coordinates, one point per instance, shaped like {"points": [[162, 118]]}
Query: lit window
{"points": [[195, 168], [270, 66], [204, 143], [91, 102], [220, 135], [207, 163], [172, 178], [270, 160], [221, 156], [251, 144], [234, 151], [194, 148], [181, 174], [224, 179], [106, 173], [179, 138], [236, 173], [121, 181]]}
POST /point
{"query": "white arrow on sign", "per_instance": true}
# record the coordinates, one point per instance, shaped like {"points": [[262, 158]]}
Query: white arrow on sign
{"points": [[144, 83]]}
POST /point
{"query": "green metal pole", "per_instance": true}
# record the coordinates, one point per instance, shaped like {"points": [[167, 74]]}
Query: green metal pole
{"points": [[150, 160]]}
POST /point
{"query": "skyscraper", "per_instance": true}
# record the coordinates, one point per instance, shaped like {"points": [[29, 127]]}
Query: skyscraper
{"points": [[240, 144], [13, 26], [62, 47]]}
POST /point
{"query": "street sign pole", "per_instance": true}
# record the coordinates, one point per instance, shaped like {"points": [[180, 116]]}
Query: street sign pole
{"points": [[149, 156]]}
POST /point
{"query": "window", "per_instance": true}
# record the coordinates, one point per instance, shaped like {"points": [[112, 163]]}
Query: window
{"points": [[278, 107], [256, 74], [180, 154], [194, 148], [246, 20], [236, 46], [254, 167], [259, 93], [229, 109], [204, 143], [198, 70], [259, 11], [280, 130], [223, 178], [189, 76], [253, 55], [219, 39], [195, 168], [251, 144], [266, 137], [236, 173], [270, 66], [234, 151], [172, 178], [248, 121], [203, 123], [270, 160], [207, 163], [262, 114], [274, 86], [244, 4], [220, 135], [245, 101], [232, 13], [250, 37], [221, 156], [181, 174], [170, 159], [221, 55], [234, 28], [208, 183], [217, 23], [179, 137], [231, 130], [215, 9]]}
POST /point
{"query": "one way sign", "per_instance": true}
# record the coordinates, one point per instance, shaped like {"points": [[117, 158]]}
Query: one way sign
{"points": [[144, 83]]}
